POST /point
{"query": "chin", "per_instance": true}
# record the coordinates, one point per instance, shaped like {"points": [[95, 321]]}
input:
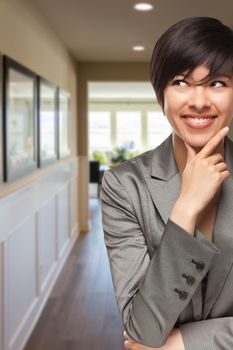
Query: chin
{"points": [[198, 141], [197, 144]]}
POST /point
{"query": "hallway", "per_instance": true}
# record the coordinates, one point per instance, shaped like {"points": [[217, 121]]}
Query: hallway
{"points": [[81, 312]]}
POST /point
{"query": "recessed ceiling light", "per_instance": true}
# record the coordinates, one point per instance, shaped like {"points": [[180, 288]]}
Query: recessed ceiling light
{"points": [[143, 6], [138, 48]]}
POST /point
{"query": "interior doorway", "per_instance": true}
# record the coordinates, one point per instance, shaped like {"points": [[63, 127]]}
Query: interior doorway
{"points": [[124, 120]]}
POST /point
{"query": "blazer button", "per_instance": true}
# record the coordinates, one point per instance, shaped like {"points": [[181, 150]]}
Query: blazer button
{"points": [[182, 294], [199, 265], [189, 279]]}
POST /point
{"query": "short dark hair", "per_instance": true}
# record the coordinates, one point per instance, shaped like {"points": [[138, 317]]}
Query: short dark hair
{"points": [[188, 44]]}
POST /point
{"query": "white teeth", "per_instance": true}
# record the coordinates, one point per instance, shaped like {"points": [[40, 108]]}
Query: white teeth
{"points": [[198, 120]]}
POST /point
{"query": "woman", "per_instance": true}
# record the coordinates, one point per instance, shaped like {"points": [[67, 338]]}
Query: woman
{"points": [[167, 214]]}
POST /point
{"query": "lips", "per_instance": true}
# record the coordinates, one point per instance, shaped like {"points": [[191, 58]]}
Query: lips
{"points": [[199, 121]]}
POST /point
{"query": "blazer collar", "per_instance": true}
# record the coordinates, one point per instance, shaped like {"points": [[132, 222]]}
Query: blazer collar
{"points": [[163, 165], [164, 184], [163, 181]]}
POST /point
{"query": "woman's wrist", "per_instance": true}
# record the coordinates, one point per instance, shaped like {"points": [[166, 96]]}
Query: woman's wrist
{"points": [[184, 216], [178, 340]]}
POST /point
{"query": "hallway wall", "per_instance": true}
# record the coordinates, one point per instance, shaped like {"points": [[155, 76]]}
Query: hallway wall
{"points": [[26, 38], [38, 212]]}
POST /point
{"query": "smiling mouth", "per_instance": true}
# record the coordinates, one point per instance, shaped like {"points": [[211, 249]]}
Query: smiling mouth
{"points": [[199, 119]]}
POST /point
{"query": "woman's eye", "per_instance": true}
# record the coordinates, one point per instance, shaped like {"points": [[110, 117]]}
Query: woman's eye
{"points": [[179, 82], [218, 83]]}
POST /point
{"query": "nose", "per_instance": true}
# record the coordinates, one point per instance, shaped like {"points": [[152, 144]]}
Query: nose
{"points": [[199, 99]]}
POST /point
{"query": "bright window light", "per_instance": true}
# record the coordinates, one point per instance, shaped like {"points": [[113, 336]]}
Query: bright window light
{"points": [[99, 130], [129, 129], [158, 128]]}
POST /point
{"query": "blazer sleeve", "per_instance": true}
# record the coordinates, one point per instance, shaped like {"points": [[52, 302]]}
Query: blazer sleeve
{"points": [[212, 334], [150, 293]]}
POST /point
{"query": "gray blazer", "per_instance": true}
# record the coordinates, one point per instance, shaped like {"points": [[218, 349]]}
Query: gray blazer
{"points": [[157, 267]]}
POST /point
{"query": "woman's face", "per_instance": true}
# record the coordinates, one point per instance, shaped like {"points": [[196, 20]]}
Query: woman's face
{"points": [[197, 112]]}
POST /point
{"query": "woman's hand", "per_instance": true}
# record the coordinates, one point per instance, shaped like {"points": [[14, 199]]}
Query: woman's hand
{"points": [[174, 342], [201, 179], [204, 173]]}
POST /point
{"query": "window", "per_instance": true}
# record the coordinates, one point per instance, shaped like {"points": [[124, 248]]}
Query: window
{"points": [[99, 131], [136, 126], [128, 130], [158, 129]]}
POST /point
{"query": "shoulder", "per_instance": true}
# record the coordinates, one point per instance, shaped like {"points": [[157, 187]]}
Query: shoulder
{"points": [[142, 166], [127, 181], [133, 173], [132, 169]]}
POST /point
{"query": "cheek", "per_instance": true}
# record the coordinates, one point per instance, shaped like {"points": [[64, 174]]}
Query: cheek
{"points": [[225, 105], [173, 103], [230, 108], [227, 111], [170, 106]]}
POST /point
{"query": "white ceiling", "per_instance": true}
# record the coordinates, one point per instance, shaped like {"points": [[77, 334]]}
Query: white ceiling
{"points": [[105, 30]]}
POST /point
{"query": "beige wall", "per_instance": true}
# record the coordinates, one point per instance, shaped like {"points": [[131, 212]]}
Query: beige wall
{"points": [[26, 38]]}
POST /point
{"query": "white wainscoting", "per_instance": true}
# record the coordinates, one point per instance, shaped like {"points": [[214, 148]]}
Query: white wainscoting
{"points": [[62, 220], [46, 230], [39, 225]]}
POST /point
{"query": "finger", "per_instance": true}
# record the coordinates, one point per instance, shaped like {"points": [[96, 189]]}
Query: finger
{"points": [[224, 174], [190, 152], [215, 158], [213, 142], [128, 345], [221, 167], [126, 336]]}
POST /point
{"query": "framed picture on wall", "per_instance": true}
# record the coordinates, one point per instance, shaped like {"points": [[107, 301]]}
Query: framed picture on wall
{"points": [[1, 120], [47, 122], [19, 119], [64, 122]]}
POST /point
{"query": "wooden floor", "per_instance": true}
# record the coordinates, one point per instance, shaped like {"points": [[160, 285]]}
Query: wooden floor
{"points": [[81, 312]]}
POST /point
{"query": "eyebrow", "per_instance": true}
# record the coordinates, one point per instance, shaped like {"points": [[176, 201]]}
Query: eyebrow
{"points": [[221, 76], [217, 76], [226, 77]]}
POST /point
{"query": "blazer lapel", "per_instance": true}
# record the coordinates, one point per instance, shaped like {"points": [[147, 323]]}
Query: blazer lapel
{"points": [[164, 179], [222, 237]]}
